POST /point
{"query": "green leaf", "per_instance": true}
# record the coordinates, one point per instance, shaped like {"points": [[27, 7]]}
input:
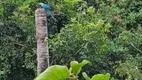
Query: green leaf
{"points": [[101, 77], [55, 72], [85, 76], [76, 67], [84, 62]]}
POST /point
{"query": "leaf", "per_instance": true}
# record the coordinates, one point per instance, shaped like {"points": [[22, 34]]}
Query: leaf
{"points": [[84, 62], [101, 77], [76, 67], [55, 72], [85, 76]]}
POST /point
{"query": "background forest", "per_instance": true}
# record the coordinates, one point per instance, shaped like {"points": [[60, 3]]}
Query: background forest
{"points": [[108, 33]]}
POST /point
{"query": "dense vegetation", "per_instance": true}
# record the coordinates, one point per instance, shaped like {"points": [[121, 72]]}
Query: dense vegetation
{"points": [[105, 32], [52, 72]]}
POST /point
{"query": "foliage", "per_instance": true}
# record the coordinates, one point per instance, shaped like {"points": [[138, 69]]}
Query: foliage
{"points": [[97, 76], [76, 67], [17, 44], [52, 73], [11, 55], [55, 72], [102, 34], [130, 68], [86, 37], [105, 32]]}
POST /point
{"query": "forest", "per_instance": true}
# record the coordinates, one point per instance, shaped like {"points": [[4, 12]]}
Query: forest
{"points": [[107, 33]]}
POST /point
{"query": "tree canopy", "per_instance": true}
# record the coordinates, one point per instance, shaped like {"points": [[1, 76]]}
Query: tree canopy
{"points": [[105, 32]]}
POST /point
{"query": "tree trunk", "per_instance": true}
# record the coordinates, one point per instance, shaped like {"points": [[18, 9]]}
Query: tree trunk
{"points": [[41, 33]]}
